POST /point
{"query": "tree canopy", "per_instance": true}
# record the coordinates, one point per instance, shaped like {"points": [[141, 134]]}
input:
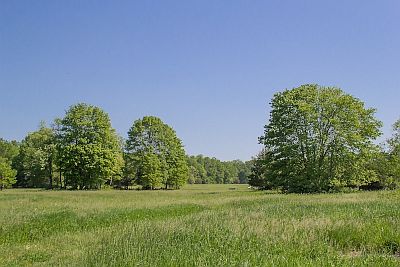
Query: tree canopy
{"points": [[155, 154], [8, 149], [258, 175], [318, 139], [7, 173], [206, 170], [394, 155], [387, 163], [88, 149], [35, 161]]}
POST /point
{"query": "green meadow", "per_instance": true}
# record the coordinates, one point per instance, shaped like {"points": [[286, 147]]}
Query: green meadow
{"points": [[200, 225]]}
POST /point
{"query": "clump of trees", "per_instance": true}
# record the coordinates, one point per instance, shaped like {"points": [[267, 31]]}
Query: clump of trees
{"points": [[205, 170], [35, 160], [320, 139], [317, 139], [83, 151]]}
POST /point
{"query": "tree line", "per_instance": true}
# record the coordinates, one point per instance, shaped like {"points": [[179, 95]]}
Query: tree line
{"points": [[205, 170], [83, 151], [317, 139], [320, 139]]}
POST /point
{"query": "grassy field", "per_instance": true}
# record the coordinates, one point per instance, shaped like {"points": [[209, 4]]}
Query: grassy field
{"points": [[200, 225]]}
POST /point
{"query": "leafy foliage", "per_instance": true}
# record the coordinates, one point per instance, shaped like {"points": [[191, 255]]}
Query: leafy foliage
{"points": [[35, 162], [258, 176], [88, 149], [8, 152], [394, 154], [318, 139], [387, 163], [205, 170], [7, 173], [8, 149], [155, 155], [151, 176]]}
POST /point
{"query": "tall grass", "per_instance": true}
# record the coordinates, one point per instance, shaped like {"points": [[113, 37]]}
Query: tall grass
{"points": [[201, 225]]}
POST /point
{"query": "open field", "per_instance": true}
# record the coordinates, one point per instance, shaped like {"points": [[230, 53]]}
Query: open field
{"points": [[201, 225]]}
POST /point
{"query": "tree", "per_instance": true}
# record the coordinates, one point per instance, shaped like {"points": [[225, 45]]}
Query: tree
{"points": [[384, 165], [8, 149], [394, 153], [197, 172], [7, 173], [258, 177], [319, 139], [394, 141], [149, 138], [243, 170], [387, 162], [88, 149], [36, 158], [9, 154]]}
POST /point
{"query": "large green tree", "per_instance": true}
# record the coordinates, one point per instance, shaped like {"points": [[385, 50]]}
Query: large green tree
{"points": [[318, 139], [88, 148], [36, 158], [155, 154]]}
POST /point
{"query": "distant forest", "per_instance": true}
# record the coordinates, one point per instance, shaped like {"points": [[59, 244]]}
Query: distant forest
{"points": [[205, 170]]}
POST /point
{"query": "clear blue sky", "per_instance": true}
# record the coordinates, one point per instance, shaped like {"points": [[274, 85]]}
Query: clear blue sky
{"points": [[207, 68]]}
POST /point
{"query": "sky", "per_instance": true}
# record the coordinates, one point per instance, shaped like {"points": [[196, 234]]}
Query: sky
{"points": [[207, 68]]}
